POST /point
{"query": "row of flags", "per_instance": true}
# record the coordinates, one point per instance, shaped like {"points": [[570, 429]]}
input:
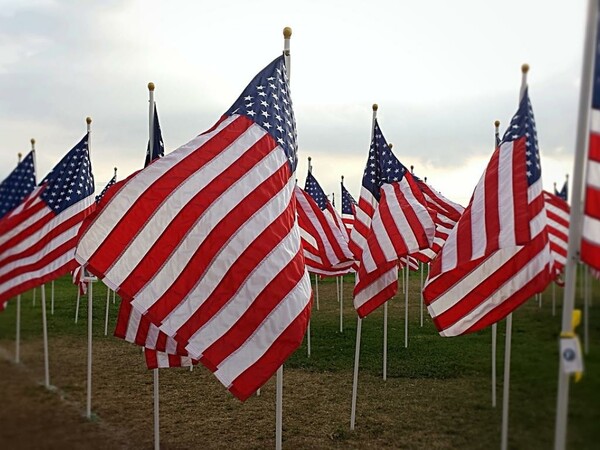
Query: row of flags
{"points": [[210, 247]]}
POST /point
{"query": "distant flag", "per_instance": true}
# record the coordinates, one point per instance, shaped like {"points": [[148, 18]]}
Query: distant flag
{"points": [[413, 263], [158, 147], [162, 360], [497, 133], [564, 192], [111, 182], [348, 207], [205, 242], [38, 238], [498, 255], [391, 221], [17, 185], [78, 277], [558, 212]]}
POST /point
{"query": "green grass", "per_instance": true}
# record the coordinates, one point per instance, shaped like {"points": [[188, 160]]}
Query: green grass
{"points": [[454, 372]]}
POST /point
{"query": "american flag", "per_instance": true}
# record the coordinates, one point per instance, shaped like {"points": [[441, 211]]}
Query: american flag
{"points": [[162, 360], [564, 191], [590, 235], [111, 182], [18, 185], [498, 254], [391, 221], [38, 238], [158, 146], [78, 275], [558, 212], [205, 242], [348, 205]]}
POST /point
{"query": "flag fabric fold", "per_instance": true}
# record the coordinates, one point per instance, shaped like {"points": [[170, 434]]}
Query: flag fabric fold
{"points": [[204, 242], [38, 237], [498, 254], [348, 207], [558, 212]]}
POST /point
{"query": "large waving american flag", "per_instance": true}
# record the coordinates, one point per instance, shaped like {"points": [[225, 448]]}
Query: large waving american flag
{"points": [[590, 235], [498, 254], [17, 185], [205, 242], [38, 238], [392, 220]]}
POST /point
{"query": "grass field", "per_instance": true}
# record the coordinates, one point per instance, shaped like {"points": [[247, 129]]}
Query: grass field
{"points": [[437, 395]]}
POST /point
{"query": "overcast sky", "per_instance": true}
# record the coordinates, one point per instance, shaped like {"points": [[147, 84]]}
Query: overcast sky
{"points": [[441, 72]]}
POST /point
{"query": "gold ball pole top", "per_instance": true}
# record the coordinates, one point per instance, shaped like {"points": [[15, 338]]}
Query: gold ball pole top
{"points": [[32, 141], [151, 86], [115, 170], [375, 106], [287, 32], [497, 123], [309, 159], [390, 145], [88, 120], [20, 155], [525, 68], [342, 178]]}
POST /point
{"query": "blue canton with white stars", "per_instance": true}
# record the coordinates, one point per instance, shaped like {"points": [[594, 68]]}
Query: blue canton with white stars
{"points": [[71, 180], [313, 188], [18, 185], [523, 125], [266, 101], [347, 201], [382, 166], [112, 181]]}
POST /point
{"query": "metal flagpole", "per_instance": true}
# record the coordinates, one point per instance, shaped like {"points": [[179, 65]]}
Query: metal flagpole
{"points": [[77, 307], [337, 288], [18, 318], [406, 306], [317, 290], [52, 298], [45, 331], [342, 304], [155, 371], [106, 312], [359, 322], [506, 386], [308, 339], [553, 298], [287, 34], [385, 339], [586, 304], [495, 325], [33, 302], [575, 223], [88, 409], [508, 339], [421, 305]]}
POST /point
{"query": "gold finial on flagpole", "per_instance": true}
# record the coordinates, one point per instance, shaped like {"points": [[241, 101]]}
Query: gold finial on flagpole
{"points": [[88, 120], [287, 32], [19, 155], [115, 171], [375, 107], [32, 141], [525, 68], [151, 86], [497, 123], [390, 145]]}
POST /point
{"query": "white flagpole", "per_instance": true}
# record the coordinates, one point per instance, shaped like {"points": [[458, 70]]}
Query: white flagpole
{"points": [[508, 341], [18, 318], [575, 223], [106, 312], [337, 288], [52, 298], [317, 290], [495, 325], [342, 304], [506, 387], [421, 265], [287, 34], [308, 339], [114, 293], [406, 306], [77, 307], [553, 299], [156, 410], [355, 377], [385, 339], [45, 331], [586, 304], [88, 409], [33, 297]]}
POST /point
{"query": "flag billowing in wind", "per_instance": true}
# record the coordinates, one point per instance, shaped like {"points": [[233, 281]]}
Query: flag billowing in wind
{"points": [[498, 254], [590, 235], [204, 241], [391, 221], [38, 238], [324, 236], [348, 206], [18, 185], [558, 212]]}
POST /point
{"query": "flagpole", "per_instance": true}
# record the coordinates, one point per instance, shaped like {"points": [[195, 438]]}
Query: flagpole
{"points": [[52, 298], [359, 323], [77, 307], [106, 311], [508, 338], [553, 298], [575, 223], [155, 378], [308, 339], [287, 34], [385, 339], [18, 318], [495, 325], [421, 265], [45, 331], [586, 304], [88, 409], [342, 304], [406, 306]]}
